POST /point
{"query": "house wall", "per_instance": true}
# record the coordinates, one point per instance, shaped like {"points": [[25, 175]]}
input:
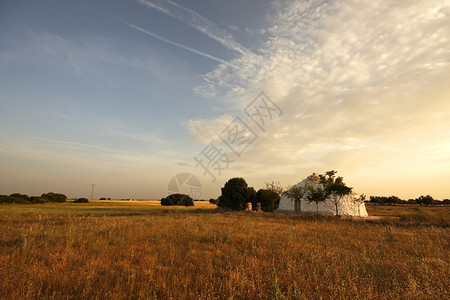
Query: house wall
{"points": [[347, 205]]}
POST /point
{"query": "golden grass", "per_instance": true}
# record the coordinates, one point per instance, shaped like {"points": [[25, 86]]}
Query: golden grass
{"points": [[97, 208], [413, 214], [139, 250]]}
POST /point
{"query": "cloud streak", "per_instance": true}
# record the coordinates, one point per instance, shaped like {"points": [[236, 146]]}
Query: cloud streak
{"points": [[14, 154], [72, 143], [198, 22], [149, 33]]}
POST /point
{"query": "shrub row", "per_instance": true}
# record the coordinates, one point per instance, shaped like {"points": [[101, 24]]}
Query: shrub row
{"points": [[424, 200], [25, 199]]}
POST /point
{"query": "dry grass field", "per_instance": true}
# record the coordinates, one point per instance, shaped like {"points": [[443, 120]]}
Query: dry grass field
{"points": [[140, 250], [412, 214]]}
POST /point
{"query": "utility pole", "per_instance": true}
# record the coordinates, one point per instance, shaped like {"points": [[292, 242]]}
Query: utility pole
{"points": [[92, 190]]}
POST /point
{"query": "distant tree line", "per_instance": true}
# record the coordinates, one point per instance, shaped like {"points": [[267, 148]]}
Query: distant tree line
{"points": [[44, 198], [391, 200], [25, 199]]}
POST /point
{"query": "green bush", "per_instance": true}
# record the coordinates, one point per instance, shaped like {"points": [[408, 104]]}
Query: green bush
{"points": [[269, 200], [426, 200], [54, 197], [5, 199], [213, 201], [21, 196], [35, 199], [177, 200], [81, 200], [25, 199], [236, 194], [14, 199]]}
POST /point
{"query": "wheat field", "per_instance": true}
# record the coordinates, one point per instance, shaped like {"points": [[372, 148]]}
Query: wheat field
{"points": [[140, 250]]}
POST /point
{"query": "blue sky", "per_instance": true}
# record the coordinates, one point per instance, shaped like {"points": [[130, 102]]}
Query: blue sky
{"points": [[124, 94]]}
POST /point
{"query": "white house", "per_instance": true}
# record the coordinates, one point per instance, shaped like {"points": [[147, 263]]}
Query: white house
{"points": [[350, 205]]}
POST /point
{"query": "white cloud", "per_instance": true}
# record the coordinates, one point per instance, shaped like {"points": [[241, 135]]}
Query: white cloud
{"points": [[157, 7], [366, 75], [205, 131]]}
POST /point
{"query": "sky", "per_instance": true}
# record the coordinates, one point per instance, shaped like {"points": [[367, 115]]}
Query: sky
{"points": [[126, 94]]}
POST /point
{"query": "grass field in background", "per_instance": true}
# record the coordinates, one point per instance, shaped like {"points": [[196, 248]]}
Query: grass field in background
{"points": [[140, 250], [98, 208], [412, 214]]}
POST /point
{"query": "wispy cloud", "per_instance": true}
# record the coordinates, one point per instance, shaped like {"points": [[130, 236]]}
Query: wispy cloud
{"points": [[157, 7], [205, 130], [72, 143], [58, 48], [198, 22], [149, 33], [146, 138], [16, 155]]}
